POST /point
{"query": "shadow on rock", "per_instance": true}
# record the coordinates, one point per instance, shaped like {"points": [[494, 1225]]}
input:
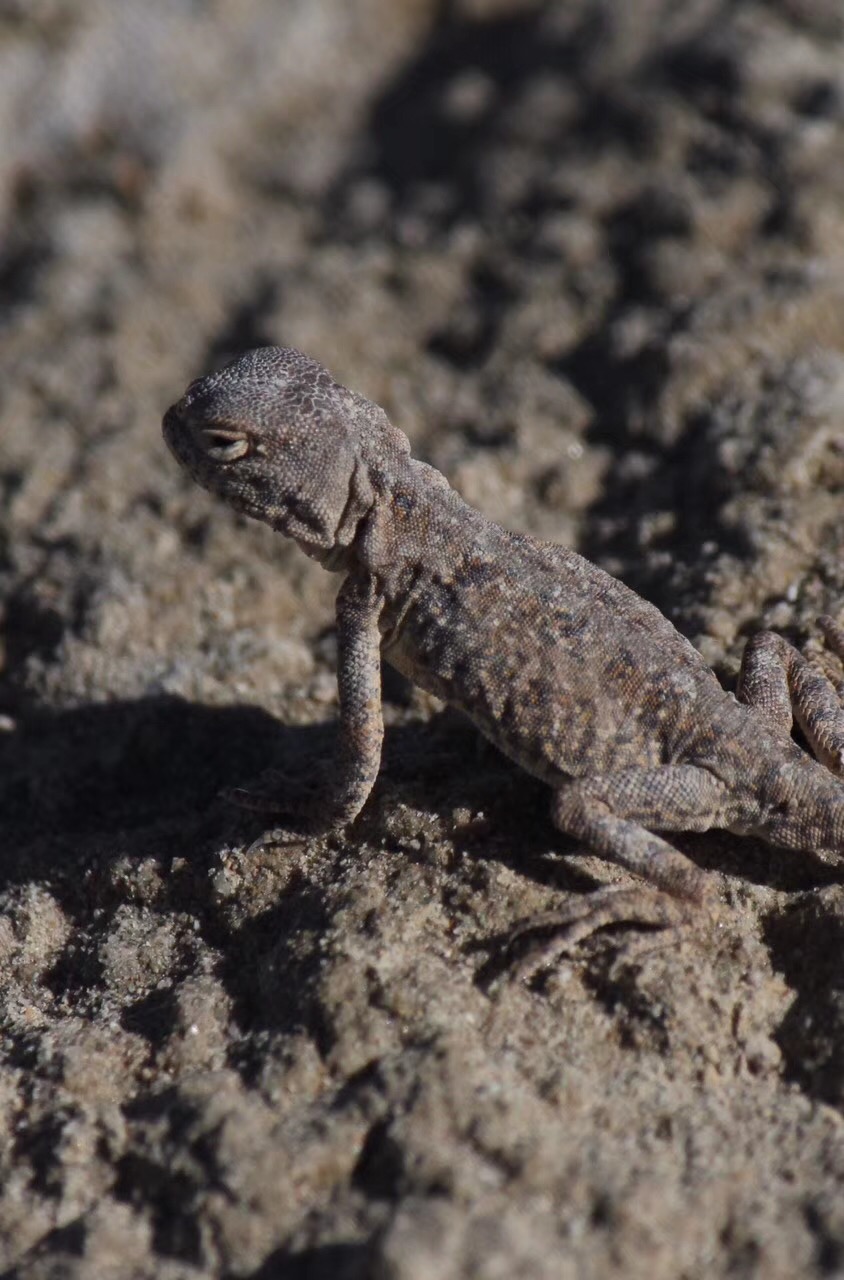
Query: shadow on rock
{"points": [[327, 1262], [806, 942], [118, 765]]}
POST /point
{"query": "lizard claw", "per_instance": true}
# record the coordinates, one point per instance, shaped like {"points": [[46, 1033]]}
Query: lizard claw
{"points": [[271, 791], [260, 801], [309, 812], [253, 800], [264, 796]]}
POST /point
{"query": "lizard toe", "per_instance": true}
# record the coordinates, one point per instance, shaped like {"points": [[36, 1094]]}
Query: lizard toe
{"points": [[560, 931]]}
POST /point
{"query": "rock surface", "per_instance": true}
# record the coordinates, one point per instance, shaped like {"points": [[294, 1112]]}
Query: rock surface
{"points": [[588, 255]]}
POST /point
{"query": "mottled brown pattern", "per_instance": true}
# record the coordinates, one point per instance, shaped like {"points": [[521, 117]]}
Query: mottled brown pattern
{"points": [[575, 677]]}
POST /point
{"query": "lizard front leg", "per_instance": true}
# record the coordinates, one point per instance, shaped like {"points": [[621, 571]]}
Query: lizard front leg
{"points": [[357, 758], [613, 816]]}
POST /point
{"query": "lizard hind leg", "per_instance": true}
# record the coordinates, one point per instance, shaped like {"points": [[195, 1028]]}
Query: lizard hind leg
{"points": [[612, 815], [781, 684]]}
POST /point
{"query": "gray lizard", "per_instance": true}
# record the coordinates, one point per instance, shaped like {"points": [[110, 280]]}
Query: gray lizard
{"points": [[566, 670]]}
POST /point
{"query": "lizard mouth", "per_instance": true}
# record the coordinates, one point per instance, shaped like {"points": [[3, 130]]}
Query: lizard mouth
{"points": [[181, 442], [176, 436]]}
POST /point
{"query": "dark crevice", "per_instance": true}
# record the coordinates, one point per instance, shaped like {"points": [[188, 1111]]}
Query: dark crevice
{"points": [[352, 1261], [806, 942]]}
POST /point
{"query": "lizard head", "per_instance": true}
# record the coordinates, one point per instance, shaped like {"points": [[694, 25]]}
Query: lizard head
{"points": [[278, 439]]}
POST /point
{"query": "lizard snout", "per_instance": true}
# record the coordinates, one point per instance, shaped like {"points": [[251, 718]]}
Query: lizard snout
{"points": [[173, 429], [192, 441]]}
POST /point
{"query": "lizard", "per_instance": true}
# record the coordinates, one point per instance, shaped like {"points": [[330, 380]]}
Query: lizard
{"points": [[569, 672]]}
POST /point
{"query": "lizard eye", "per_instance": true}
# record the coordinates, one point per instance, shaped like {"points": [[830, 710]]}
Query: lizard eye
{"points": [[224, 444]]}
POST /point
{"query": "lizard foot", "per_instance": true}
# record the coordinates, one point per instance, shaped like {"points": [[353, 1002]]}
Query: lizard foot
{"points": [[268, 794], [561, 930], [306, 801], [277, 836], [308, 811]]}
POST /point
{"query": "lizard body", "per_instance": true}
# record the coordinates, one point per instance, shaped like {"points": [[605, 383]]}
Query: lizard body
{"points": [[565, 669]]}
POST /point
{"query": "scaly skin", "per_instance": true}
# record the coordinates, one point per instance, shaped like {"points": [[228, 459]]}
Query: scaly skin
{"points": [[571, 674]]}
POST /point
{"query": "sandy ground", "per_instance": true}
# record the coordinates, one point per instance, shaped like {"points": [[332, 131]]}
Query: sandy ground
{"points": [[589, 256]]}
